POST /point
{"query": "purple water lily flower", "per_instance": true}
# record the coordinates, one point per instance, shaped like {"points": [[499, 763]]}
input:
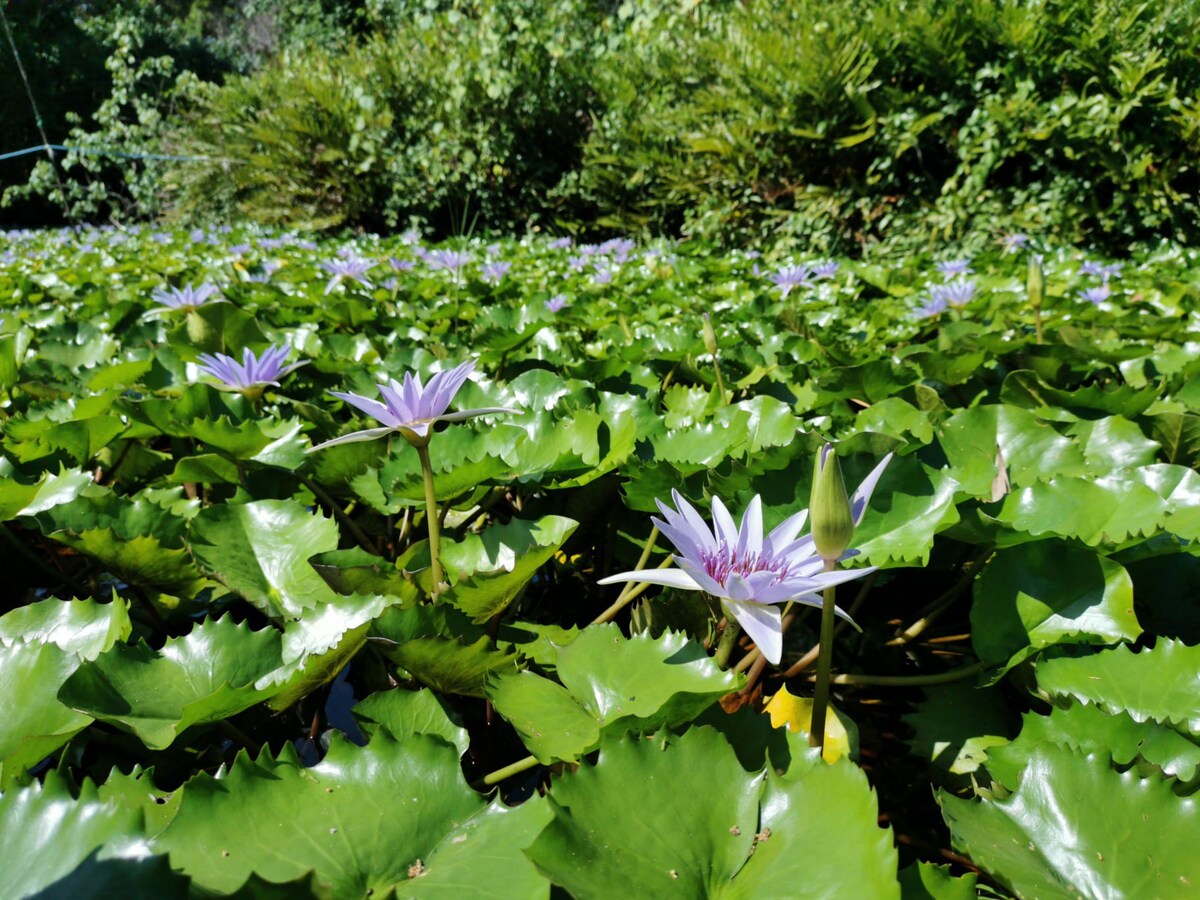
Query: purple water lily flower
{"points": [[494, 272], [1097, 295], [451, 261], [412, 409], [556, 303], [185, 298], [602, 276], [253, 371], [561, 243], [934, 306], [826, 269], [956, 293], [952, 268], [1090, 267], [400, 265], [1014, 242], [747, 572], [791, 277], [351, 269]]}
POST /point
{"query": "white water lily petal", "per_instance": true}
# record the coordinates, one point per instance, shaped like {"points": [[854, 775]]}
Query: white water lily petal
{"points": [[368, 434], [862, 496], [763, 623], [675, 578]]}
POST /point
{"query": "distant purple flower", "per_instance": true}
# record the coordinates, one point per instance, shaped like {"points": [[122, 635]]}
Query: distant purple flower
{"points": [[747, 572], [791, 277], [1091, 267], [253, 371], [952, 268], [494, 272], [451, 261], [934, 306], [956, 293], [602, 276], [272, 243], [578, 263], [1097, 295], [391, 285], [197, 235], [240, 249], [561, 243], [160, 237], [412, 236], [1110, 270], [620, 248], [826, 269], [556, 303], [412, 409], [352, 269], [1014, 242], [185, 298]]}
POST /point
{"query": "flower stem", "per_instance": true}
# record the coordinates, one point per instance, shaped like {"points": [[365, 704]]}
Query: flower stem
{"points": [[911, 680], [521, 765], [728, 640], [431, 521], [816, 736]]}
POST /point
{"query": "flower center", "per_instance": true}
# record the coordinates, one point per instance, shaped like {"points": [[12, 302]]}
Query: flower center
{"points": [[725, 561]]}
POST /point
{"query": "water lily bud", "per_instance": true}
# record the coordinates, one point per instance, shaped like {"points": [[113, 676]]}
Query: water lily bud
{"points": [[1036, 281], [710, 337], [829, 507]]}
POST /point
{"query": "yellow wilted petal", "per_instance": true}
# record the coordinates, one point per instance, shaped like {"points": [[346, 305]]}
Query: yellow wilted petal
{"points": [[796, 714]]}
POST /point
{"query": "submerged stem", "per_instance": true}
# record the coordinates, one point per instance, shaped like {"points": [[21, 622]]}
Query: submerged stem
{"points": [[432, 521], [728, 639], [816, 736]]}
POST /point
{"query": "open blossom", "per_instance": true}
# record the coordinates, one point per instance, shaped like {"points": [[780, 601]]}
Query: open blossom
{"points": [[556, 303], [748, 573], [253, 371], [952, 268], [934, 306], [452, 261], [791, 277], [411, 408], [494, 272], [826, 269], [185, 298], [350, 269], [1014, 242], [1097, 295], [956, 293]]}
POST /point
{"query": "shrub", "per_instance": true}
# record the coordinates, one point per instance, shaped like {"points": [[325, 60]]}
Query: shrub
{"points": [[462, 115]]}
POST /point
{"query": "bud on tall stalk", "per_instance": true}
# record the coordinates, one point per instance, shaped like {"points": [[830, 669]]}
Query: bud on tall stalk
{"points": [[831, 517]]}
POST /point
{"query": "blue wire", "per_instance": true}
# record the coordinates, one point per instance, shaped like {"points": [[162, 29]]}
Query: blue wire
{"points": [[97, 151]]}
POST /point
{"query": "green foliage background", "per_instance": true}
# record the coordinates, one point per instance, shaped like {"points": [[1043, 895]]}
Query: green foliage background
{"points": [[828, 125]]}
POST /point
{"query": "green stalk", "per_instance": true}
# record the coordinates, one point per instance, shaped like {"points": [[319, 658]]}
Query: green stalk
{"points": [[816, 737], [728, 640], [431, 521], [521, 765]]}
